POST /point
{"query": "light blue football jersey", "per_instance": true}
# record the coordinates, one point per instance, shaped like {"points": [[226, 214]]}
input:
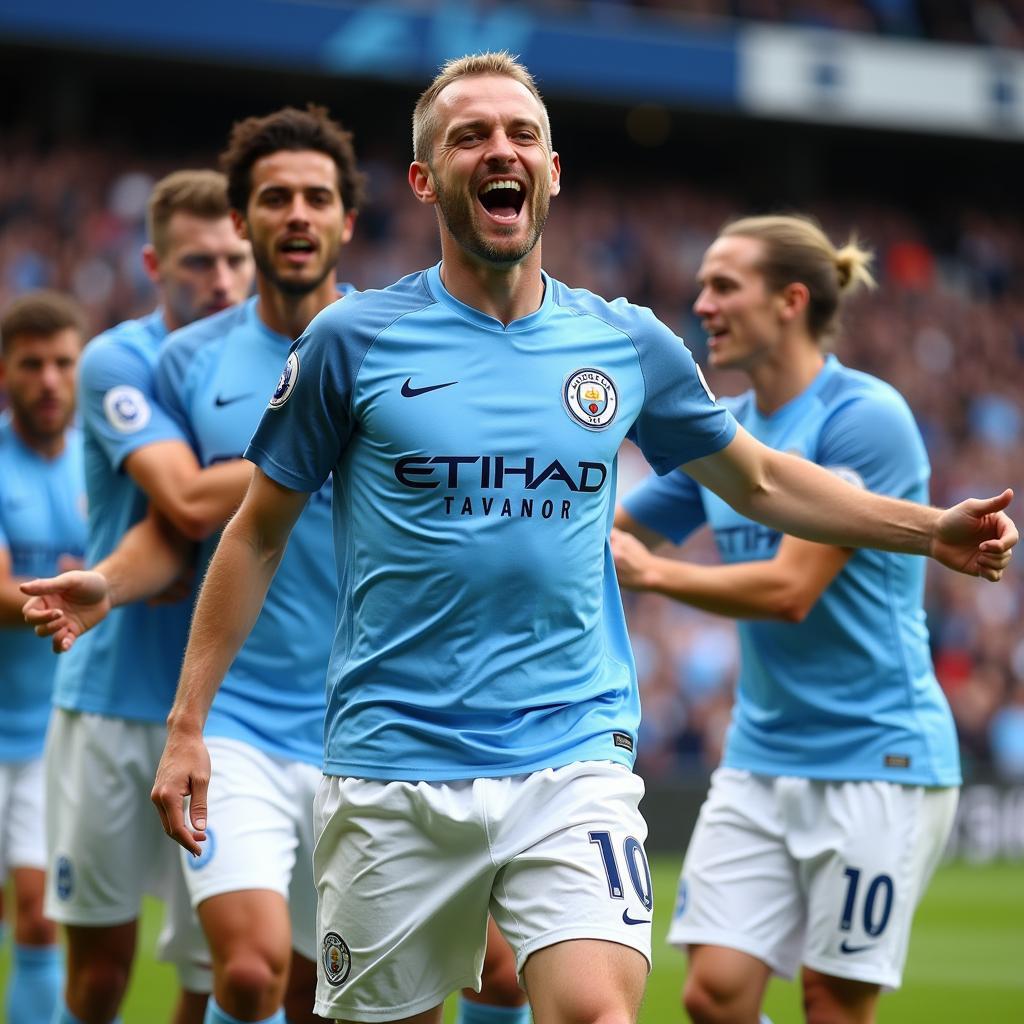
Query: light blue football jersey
{"points": [[214, 378], [849, 693], [127, 666], [479, 629], [42, 516]]}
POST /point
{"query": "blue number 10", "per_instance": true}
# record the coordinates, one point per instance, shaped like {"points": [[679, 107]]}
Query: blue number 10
{"points": [[636, 865]]}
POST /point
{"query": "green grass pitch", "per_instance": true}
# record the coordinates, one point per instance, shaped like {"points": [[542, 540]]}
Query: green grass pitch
{"points": [[966, 957]]}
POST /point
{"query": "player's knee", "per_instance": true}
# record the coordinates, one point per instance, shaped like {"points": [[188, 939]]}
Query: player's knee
{"points": [[837, 1001], [251, 978], [708, 1000], [96, 989], [594, 1007]]}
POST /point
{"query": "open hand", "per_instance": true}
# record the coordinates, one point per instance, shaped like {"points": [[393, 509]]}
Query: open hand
{"points": [[64, 607]]}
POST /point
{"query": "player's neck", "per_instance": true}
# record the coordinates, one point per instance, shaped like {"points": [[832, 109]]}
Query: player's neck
{"points": [[505, 292], [290, 314], [49, 447], [784, 374]]}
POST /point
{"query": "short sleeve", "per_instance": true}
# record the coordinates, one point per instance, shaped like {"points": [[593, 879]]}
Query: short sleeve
{"points": [[309, 421], [680, 419], [670, 505], [873, 441], [119, 404]]}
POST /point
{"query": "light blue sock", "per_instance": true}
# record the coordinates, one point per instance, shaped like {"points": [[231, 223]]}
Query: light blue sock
{"points": [[37, 976], [765, 1019], [62, 1015], [481, 1013], [215, 1015]]}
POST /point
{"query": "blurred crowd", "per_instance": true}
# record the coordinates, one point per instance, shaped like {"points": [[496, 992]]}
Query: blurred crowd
{"points": [[976, 22], [946, 327]]}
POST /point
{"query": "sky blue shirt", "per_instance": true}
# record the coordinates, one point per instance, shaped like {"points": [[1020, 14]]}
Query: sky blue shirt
{"points": [[42, 516], [127, 666], [214, 378], [479, 628], [850, 692]]}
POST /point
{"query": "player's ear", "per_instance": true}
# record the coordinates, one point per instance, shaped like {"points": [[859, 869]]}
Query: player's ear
{"points": [[421, 181], [240, 225], [793, 301], [151, 262], [556, 174]]}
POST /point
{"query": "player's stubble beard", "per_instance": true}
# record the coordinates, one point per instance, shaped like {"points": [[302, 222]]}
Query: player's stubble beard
{"points": [[263, 257], [458, 210]]}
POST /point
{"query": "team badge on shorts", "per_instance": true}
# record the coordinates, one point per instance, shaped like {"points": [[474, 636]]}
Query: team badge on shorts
{"points": [[285, 386], [336, 958], [65, 879], [590, 398], [682, 899], [126, 409]]}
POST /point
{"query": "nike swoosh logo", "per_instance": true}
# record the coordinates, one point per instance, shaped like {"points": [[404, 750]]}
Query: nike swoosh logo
{"points": [[626, 919], [220, 400], [410, 392], [845, 947]]}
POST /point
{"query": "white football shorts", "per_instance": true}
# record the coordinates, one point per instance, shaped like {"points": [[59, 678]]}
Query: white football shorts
{"points": [[22, 818], [105, 844], [259, 833], [803, 871], [406, 873]]}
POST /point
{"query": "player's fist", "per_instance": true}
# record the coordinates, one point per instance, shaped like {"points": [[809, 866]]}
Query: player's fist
{"points": [[976, 537]]}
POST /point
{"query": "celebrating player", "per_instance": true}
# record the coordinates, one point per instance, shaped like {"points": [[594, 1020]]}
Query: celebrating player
{"points": [[482, 704], [838, 784], [113, 690], [42, 531]]}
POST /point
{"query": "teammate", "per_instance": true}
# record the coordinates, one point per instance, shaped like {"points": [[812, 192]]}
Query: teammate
{"points": [[113, 690], [482, 705], [838, 784], [294, 188], [42, 531]]}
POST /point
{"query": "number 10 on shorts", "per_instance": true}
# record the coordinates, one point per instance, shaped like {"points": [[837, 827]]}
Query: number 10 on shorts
{"points": [[636, 866]]}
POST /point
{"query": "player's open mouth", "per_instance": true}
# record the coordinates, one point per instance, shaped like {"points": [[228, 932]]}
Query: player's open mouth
{"points": [[502, 199], [298, 249]]}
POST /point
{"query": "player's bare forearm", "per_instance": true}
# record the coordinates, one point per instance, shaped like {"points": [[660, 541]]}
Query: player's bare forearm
{"points": [[797, 497], [232, 595], [783, 588], [196, 500], [147, 560]]}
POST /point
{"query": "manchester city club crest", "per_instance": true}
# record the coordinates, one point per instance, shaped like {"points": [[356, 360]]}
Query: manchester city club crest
{"points": [[590, 398], [336, 958], [289, 375]]}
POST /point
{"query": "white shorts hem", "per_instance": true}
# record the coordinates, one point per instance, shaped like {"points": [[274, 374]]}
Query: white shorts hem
{"points": [[682, 938], [222, 886], [867, 973], [86, 917], [336, 1011], [581, 932]]}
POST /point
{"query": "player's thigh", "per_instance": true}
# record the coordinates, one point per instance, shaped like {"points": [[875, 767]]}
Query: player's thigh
{"points": [[104, 840], [724, 983], [739, 887], [252, 836], [24, 821], [570, 841], [403, 876], [831, 1000], [868, 856], [499, 980], [585, 980]]}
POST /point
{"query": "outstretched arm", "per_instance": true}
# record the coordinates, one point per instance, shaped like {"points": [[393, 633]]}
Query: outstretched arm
{"points": [[149, 558], [230, 600], [795, 496]]}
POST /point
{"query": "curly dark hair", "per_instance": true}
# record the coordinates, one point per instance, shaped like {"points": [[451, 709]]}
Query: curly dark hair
{"points": [[291, 129]]}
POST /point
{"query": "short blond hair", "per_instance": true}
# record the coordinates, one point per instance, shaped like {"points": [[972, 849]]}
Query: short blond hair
{"points": [[500, 62], [797, 250], [202, 193]]}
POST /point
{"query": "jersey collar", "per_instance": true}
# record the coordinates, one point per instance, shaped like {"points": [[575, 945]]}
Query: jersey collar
{"points": [[474, 316]]}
